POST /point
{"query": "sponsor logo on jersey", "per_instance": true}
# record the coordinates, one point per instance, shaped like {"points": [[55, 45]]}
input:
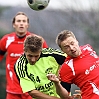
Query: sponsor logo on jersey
{"points": [[15, 55], [96, 64]]}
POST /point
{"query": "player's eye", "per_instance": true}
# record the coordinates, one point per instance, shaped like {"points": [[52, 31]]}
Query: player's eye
{"points": [[72, 43], [24, 21]]}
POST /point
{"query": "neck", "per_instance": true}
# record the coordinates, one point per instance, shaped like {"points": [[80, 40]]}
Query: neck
{"points": [[21, 35]]}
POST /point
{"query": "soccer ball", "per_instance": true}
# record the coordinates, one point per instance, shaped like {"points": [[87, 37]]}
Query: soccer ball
{"points": [[38, 4]]}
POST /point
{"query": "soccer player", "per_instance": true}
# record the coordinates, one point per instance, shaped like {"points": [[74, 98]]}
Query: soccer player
{"points": [[81, 67], [33, 66], [13, 44]]}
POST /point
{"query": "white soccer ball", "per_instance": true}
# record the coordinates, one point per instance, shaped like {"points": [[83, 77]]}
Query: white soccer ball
{"points": [[38, 4]]}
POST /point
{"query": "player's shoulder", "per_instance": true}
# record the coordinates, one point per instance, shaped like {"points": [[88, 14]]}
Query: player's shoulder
{"points": [[21, 60], [87, 47], [20, 66], [29, 33], [50, 50], [12, 34]]}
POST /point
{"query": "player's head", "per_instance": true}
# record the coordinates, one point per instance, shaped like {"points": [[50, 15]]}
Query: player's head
{"points": [[68, 43], [20, 23], [32, 48], [19, 13]]}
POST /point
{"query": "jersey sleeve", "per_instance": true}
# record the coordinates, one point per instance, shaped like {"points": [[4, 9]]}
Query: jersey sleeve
{"points": [[66, 73], [2, 47], [67, 86], [24, 80], [59, 56]]}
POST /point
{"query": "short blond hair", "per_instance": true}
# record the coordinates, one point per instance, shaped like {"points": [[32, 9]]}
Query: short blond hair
{"points": [[63, 35]]}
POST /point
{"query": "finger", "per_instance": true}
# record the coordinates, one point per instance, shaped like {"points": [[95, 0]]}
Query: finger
{"points": [[78, 91]]}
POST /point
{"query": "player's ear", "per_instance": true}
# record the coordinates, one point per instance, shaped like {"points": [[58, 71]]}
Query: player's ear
{"points": [[28, 25], [13, 25], [77, 42]]}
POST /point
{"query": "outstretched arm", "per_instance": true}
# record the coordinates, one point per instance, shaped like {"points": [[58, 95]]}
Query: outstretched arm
{"points": [[2, 51], [39, 95], [62, 92]]}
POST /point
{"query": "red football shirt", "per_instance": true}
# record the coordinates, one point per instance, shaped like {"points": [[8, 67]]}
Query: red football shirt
{"points": [[83, 71], [13, 45]]}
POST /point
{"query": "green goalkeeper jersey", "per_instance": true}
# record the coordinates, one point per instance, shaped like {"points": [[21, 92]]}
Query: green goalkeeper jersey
{"points": [[34, 76]]}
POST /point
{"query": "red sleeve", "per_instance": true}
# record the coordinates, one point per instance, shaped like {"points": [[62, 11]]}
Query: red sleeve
{"points": [[65, 73], [45, 45], [2, 47]]}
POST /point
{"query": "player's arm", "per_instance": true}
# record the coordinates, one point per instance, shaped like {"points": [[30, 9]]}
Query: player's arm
{"points": [[2, 52], [61, 90], [39, 95], [25, 82], [66, 85], [58, 55]]}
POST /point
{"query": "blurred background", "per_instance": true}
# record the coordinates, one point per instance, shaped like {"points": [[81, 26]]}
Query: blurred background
{"points": [[79, 16]]}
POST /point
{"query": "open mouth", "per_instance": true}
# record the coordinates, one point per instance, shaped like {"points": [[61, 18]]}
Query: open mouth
{"points": [[73, 52], [21, 27]]}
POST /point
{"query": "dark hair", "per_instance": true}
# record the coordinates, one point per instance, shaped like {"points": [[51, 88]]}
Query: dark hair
{"points": [[20, 13], [33, 43]]}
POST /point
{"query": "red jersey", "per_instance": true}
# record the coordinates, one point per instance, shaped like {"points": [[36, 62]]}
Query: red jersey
{"points": [[13, 45], [83, 71]]}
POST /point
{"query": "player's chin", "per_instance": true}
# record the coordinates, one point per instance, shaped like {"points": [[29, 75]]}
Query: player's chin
{"points": [[32, 63]]}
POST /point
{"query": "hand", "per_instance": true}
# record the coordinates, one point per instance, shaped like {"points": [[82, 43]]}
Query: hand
{"points": [[78, 94], [53, 77]]}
